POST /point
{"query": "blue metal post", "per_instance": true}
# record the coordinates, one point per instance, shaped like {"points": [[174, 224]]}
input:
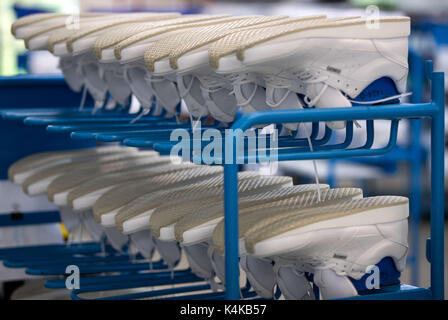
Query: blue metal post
{"points": [[231, 230], [231, 226], [415, 197], [417, 78], [437, 186]]}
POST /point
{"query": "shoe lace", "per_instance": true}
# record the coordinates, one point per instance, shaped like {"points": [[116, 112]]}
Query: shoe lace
{"points": [[184, 93], [237, 80], [154, 79], [211, 83], [277, 83], [309, 77]]}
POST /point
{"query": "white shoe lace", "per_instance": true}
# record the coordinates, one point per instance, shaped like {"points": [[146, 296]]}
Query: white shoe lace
{"points": [[83, 98], [277, 83], [144, 112], [211, 83], [154, 79], [309, 77], [237, 80], [398, 96], [184, 93]]}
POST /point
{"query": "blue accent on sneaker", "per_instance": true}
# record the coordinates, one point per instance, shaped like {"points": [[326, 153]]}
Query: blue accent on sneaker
{"points": [[379, 89], [389, 275]]}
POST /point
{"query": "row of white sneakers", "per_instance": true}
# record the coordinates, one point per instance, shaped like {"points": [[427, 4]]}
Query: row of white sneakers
{"points": [[218, 64], [291, 238]]}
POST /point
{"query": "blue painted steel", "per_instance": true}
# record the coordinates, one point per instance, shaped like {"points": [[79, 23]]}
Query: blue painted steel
{"points": [[20, 114], [231, 228], [415, 153], [30, 91], [437, 186], [53, 250], [20, 219], [96, 283], [53, 120], [75, 294], [118, 266], [17, 140], [107, 128], [64, 261]]}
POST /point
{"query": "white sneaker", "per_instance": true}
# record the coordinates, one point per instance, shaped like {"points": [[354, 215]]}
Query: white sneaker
{"points": [[163, 220], [98, 80], [253, 215], [157, 58], [85, 195], [131, 53], [64, 39], [23, 168], [189, 58], [38, 182], [184, 193], [165, 57], [107, 206], [339, 244], [249, 88], [194, 230], [318, 68], [114, 74], [160, 217]]}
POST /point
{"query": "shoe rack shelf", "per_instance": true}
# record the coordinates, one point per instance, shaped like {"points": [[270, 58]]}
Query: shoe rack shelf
{"points": [[114, 126], [434, 111]]}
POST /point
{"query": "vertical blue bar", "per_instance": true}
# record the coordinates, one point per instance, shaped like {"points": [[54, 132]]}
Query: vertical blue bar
{"points": [[415, 197], [231, 230], [417, 68], [437, 186]]}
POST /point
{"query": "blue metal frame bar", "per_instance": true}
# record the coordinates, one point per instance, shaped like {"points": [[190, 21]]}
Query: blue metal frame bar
{"points": [[147, 294], [65, 261], [118, 266], [36, 252], [97, 283], [28, 218]]}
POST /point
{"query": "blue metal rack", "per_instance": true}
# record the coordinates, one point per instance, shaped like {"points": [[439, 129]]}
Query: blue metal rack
{"points": [[433, 110], [28, 94], [99, 128]]}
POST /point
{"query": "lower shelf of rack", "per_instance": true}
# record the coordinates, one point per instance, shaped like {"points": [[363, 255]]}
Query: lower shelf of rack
{"points": [[402, 292]]}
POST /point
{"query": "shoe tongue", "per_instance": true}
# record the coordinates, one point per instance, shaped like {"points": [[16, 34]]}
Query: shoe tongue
{"points": [[95, 84], [135, 78], [169, 251], [281, 99], [118, 87], [193, 96], [73, 77], [331, 98], [260, 274], [294, 286], [222, 105], [166, 92], [248, 100]]}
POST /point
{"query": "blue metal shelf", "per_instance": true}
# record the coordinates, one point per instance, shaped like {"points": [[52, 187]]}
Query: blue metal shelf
{"points": [[111, 128]]}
